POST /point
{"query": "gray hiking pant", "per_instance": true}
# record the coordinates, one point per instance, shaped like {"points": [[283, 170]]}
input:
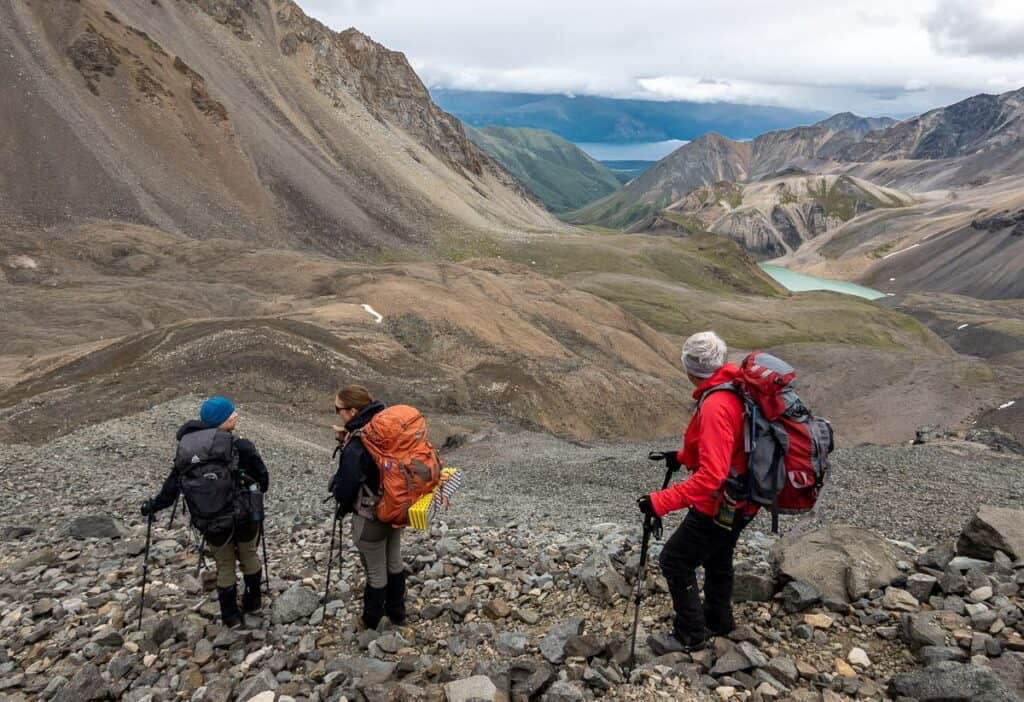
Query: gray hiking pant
{"points": [[380, 549], [239, 545]]}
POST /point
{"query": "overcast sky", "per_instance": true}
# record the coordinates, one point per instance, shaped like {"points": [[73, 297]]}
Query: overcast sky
{"points": [[871, 56]]}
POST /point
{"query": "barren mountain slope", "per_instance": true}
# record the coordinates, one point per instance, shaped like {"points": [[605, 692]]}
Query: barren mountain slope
{"points": [[577, 335], [234, 119], [776, 216], [708, 159], [979, 123]]}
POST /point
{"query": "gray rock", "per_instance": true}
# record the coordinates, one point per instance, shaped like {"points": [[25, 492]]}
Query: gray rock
{"points": [[600, 578], [295, 603], [731, 661], [94, 526], [43, 556], [86, 684], [751, 586], [993, 529], [952, 681], [931, 655], [528, 678], [370, 671], [263, 682], [511, 643], [921, 586], [552, 646], [475, 689], [160, 629], [937, 557], [799, 595], [783, 668], [563, 691], [921, 629], [843, 562], [584, 646]]}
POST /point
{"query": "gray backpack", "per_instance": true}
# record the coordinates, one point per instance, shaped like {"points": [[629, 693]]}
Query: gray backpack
{"points": [[207, 466]]}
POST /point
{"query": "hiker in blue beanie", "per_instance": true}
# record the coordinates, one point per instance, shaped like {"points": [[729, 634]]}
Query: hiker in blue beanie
{"points": [[223, 479]]}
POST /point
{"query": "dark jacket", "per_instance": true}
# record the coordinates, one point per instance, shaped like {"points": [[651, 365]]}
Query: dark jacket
{"points": [[250, 464], [355, 466]]}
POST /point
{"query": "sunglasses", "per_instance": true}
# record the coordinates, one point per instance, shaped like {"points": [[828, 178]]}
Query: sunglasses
{"points": [[339, 410]]}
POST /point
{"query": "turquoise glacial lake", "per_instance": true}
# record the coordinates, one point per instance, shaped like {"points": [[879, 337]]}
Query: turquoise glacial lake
{"points": [[798, 282]]}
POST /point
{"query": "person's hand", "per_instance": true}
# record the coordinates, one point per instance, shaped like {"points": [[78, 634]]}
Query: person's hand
{"points": [[645, 505], [672, 461], [147, 508], [339, 433]]}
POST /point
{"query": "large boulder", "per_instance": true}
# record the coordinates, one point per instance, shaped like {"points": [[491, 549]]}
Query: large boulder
{"points": [[842, 562], [952, 681], [993, 529], [94, 526], [86, 684], [295, 603], [552, 646]]}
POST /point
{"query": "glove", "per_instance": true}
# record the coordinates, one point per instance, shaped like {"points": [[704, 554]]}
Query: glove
{"points": [[147, 508], [645, 505], [672, 461]]}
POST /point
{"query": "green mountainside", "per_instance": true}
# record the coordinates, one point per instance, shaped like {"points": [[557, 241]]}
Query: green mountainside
{"points": [[557, 172]]}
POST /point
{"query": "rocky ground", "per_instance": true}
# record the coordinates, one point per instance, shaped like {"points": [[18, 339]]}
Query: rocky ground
{"points": [[520, 591]]}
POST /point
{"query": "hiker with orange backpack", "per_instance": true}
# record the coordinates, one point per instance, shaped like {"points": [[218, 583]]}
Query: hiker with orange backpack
{"points": [[386, 464]]}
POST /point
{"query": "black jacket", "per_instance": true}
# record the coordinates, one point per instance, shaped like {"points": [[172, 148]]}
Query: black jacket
{"points": [[250, 463], [356, 465]]}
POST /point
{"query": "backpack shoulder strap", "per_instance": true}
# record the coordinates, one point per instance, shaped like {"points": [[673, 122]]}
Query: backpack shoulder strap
{"points": [[731, 387]]}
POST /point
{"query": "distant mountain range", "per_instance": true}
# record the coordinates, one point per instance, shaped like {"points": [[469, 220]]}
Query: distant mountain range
{"points": [[982, 123], [558, 173], [587, 118]]}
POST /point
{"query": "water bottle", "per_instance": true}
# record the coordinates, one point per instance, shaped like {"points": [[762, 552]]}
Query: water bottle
{"points": [[256, 500]]}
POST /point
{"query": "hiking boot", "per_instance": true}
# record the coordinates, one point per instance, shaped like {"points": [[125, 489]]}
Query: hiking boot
{"points": [[394, 604], [718, 625], [373, 606], [229, 612], [251, 599], [673, 643]]}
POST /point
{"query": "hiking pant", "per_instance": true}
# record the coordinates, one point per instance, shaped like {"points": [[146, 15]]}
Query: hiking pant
{"points": [[380, 549], [699, 541], [237, 545]]}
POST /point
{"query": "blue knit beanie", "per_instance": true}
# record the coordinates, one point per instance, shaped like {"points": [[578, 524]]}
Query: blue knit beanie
{"points": [[216, 411]]}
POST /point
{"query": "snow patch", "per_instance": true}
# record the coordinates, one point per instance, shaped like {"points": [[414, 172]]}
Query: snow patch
{"points": [[377, 316], [1011, 403], [962, 326], [22, 261], [900, 251]]}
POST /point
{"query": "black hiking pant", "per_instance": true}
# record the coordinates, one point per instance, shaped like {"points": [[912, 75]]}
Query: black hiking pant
{"points": [[699, 541]]}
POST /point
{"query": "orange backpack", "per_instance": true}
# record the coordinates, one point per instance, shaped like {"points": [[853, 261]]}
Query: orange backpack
{"points": [[396, 438]]}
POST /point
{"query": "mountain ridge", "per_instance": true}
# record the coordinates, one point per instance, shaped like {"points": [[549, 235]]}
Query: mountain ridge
{"points": [[561, 175], [238, 119]]}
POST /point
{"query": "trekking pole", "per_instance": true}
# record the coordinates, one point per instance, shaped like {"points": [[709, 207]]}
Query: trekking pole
{"points": [[201, 560], [145, 565], [330, 557], [174, 511], [652, 525], [266, 570]]}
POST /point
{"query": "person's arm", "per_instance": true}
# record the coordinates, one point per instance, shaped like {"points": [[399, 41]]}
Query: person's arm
{"points": [[250, 462], [345, 483], [715, 443], [168, 493]]}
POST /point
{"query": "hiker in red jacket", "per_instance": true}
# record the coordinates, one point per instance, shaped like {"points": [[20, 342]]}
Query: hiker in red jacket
{"points": [[712, 445]]}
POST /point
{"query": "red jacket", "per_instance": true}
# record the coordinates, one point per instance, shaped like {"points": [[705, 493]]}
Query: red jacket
{"points": [[712, 444]]}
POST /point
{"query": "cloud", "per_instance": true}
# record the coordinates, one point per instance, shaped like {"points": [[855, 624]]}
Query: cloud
{"points": [[978, 27], [868, 56]]}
